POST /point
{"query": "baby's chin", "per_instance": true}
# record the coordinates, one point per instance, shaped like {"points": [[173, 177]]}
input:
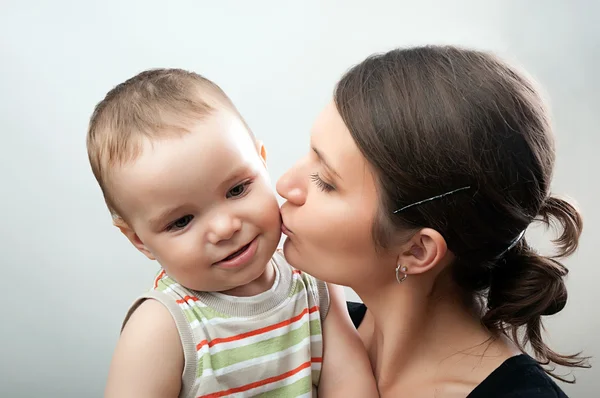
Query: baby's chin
{"points": [[255, 283]]}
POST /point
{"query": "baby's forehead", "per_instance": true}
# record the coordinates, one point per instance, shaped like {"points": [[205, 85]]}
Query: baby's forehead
{"points": [[207, 158]]}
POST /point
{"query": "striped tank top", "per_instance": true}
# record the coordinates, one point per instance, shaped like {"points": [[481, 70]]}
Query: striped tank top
{"points": [[269, 345]]}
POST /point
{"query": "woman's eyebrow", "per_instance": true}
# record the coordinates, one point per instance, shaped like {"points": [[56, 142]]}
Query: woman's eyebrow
{"points": [[325, 162]]}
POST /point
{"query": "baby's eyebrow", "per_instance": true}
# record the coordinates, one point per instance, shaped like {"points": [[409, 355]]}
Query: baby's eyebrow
{"points": [[235, 175], [163, 216]]}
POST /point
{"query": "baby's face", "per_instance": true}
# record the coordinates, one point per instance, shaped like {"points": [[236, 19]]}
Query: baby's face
{"points": [[202, 205]]}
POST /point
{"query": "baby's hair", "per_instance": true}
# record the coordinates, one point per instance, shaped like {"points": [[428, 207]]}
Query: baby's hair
{"points": [[152, 105]]}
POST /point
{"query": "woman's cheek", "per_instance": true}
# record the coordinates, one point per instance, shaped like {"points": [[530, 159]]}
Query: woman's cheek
{"points": [[321, 219], [333, 228]]}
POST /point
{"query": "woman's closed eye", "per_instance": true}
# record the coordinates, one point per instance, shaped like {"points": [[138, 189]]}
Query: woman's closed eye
{"points": [[180, 223], [322, 185]]}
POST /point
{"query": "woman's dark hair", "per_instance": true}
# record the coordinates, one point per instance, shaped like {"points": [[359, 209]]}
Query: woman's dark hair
{"points": [[434, 119]]}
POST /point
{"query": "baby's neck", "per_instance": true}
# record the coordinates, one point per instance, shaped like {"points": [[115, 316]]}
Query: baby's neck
{"points": [[259, 285]]}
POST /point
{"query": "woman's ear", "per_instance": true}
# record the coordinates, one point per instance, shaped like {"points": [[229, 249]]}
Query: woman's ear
{"points": [[423, 252], [133, 237]]}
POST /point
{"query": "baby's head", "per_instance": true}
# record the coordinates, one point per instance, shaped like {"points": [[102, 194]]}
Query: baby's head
{"points": [[184, 179]]}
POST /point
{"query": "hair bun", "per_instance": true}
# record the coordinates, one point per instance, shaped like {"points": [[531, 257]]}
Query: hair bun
{"points": [[526, 286]]}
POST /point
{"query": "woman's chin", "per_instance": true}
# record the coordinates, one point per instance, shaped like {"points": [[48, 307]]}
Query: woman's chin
{"points": [[290, 252], [295, 258], [302, 262]]}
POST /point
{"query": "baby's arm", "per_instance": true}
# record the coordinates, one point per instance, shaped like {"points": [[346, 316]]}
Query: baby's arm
{"points": [[346, 371], [148, 361]]}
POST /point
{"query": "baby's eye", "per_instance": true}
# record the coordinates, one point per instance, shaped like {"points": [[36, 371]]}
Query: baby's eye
{"points": [[238, 190], [180, 223]]}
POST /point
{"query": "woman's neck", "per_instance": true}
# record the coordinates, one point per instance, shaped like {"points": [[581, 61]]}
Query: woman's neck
{"points": [[420, 337]]}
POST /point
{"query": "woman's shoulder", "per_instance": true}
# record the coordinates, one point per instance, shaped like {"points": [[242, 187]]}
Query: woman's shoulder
{"points": [[517, 377]]}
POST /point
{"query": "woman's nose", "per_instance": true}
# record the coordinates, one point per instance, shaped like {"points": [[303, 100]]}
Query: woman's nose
{"points": [[292, 187]]}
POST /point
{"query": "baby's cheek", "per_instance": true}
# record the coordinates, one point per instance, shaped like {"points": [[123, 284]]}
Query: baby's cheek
{"points": [[272, 213]]}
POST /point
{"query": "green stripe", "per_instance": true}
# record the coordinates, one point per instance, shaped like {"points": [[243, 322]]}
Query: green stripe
{"points": [[203, 363], [309, 281], [256, 350], [300, 387], [191, 315], [164, 283], [203, 313], [315, 327], [298, 287]]}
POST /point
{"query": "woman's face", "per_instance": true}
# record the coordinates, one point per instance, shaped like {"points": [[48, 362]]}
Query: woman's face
{"points": [[332, 202]]}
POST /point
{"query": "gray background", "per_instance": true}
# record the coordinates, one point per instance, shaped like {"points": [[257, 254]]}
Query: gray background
{"points": [[68, 275]]}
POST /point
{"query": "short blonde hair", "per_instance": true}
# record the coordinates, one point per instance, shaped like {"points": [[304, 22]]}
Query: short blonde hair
{"points": [[151, 105]]}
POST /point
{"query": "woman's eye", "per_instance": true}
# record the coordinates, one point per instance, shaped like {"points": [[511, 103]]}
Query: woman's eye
{"points": [[322, 185], [238, 190], [180, 223]]}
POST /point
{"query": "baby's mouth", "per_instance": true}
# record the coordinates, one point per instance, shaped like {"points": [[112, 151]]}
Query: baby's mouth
{"points": [[237, 253]]}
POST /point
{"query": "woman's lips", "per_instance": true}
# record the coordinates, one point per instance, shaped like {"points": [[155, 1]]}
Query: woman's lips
{"points": [[285, 230]]}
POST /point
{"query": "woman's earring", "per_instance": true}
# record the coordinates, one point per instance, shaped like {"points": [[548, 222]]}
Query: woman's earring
{"points": [[402, 269]]}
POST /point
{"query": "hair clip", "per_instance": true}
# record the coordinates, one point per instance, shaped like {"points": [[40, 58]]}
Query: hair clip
{"points": [[511, 245], [432, 198]]}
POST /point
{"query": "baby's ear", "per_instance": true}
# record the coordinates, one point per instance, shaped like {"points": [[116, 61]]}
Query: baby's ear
{"points": [[121, 224], [262, 151], [133, 237]]}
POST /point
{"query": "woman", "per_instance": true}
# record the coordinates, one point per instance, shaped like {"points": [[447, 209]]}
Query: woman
{"points": [[422, 177]]}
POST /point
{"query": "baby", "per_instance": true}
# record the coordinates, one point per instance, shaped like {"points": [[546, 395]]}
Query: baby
{"points": [[186, 182]]}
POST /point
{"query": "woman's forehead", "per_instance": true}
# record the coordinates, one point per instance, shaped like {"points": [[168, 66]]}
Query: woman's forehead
{"points": [[332, 139]]}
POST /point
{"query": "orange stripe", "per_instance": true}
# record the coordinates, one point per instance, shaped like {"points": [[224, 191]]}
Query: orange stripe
{"points": [[316, 359], [158, 278], [256, 332], [186, 299], [256, 384]]}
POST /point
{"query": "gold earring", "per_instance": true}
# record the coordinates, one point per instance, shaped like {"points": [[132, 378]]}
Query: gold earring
{"points": [[402, 269]]}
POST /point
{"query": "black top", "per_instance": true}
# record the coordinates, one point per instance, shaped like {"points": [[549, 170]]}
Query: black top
{"points": [[517, 377]]}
